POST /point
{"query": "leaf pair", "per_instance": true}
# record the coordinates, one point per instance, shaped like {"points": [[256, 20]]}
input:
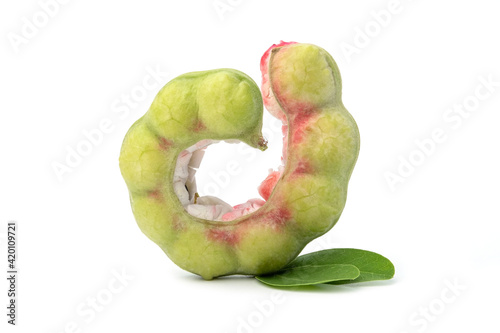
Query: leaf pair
{"points": [[333, 266]]}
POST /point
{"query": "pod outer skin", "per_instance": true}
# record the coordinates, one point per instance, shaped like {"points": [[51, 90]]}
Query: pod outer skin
{"points": [[301, 86]]}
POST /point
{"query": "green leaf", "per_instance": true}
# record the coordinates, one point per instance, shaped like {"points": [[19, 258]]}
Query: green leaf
{"points": [[372, 266], [308, 274]]}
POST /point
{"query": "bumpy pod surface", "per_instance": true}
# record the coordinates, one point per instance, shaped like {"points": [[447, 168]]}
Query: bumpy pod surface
{"points": [[302, 87]]}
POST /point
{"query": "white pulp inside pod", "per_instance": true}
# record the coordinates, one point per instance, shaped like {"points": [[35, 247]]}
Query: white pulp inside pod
{"points": [[210, 207]]}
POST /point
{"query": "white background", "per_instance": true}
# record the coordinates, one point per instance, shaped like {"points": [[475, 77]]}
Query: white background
{"points": [[439, 224]]}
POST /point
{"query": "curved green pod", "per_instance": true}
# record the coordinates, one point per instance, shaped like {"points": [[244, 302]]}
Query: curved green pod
{"points": [[301, 86]]}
